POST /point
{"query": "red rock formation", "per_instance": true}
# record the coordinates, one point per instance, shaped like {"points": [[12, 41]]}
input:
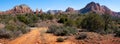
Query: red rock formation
{"points": [[37, 11], [0, 12], [69, 9], [19, 9], [40, 11], [97, 8]]}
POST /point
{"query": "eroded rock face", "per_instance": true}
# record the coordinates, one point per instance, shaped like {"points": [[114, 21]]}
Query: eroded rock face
{"points": [[0, 12], [69, 9], [41, 11], [19, 9], [37, 11], [97, 8], [53, 12]]}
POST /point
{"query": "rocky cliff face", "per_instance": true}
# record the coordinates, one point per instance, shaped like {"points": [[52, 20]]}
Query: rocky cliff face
{"points": [[71, 10], [19, 9], [97, 8], [0, 12], [38, 11]]}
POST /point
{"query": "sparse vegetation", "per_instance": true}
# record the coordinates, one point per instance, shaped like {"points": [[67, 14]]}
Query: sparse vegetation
{"points": [[5, 33], [13, 27], [61, 30], [117, 34], [93, 22], [17, 24], [81, 36], [28, 19], [60, 39]]}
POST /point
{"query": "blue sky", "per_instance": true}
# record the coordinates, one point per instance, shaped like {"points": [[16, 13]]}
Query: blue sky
{"points": [[57, 4]]}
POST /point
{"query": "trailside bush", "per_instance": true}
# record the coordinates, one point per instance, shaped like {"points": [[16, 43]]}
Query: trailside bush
{"points": [[28, 18], [61, 30], [13, 27], [5, 33], [63, 20], [46, 17], [60, 39], [52, 29], [93, 22], [117, 34], [81, 36]]}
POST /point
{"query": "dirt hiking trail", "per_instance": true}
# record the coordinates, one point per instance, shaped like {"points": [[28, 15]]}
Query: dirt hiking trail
{"points": [[38, 36], [29, 38]]}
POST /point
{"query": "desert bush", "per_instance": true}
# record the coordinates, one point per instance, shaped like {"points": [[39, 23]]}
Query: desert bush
{"points": [[117, 34], [81, 36], [46, 17], [16, 29], [5, 33], [52, 29], [61, 30], [63, 20], [70, 22], [60, 39], [13, 27], [28, 18], [93, 22]]}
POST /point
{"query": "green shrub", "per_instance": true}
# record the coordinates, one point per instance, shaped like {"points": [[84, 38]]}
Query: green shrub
{"points": [[60, 39], [81, 36], [63, 20], [46, 17], [61, 30], [70, 22], [117, 34], [52, 29], [13, 27], [5, 33], [28, 18], [93, 22]]}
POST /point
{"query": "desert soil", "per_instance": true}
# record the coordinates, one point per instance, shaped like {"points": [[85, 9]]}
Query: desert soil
{"points": [[38, 35]]}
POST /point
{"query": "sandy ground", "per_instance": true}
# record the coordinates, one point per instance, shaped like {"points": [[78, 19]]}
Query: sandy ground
{"points": [[38, 36], [29, 38]]}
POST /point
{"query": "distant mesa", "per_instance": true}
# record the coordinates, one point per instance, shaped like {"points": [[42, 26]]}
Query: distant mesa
{"points": [[55, 12]]}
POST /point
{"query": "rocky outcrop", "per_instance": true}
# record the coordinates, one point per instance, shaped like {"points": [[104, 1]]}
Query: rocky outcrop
{"points": [[19, 9], [53, 12], [96, 8], [41, 11], [69, 9], [38, 11], [1, 12]]}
